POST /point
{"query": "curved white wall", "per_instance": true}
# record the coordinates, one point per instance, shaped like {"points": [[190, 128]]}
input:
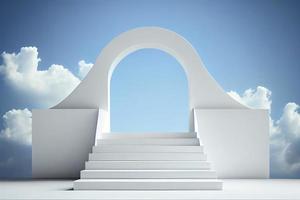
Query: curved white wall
{"points": [[93, 91]]}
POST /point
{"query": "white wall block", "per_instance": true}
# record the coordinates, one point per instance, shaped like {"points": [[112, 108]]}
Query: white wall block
{"points": [[236, 141], [61, 142]]}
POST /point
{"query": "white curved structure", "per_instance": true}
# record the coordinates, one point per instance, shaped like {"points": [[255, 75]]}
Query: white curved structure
{"points": [[235, 137], [204, 92]]}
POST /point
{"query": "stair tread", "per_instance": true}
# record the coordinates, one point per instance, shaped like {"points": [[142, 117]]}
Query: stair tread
{"points": [[148, 153], [149, 161], [146, 148], [145, 174], [147, 184], [147, 156], [149, 164], [151, 141], [147, 139], [150, 135], [148, 170], [150, 180]]}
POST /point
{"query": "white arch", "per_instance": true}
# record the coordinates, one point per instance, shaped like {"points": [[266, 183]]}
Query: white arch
{"points": [[94, 90], [238, 133]]}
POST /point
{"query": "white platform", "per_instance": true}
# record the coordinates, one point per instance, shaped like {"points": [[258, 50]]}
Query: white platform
{"points": [[232, 189], [147, 184]]}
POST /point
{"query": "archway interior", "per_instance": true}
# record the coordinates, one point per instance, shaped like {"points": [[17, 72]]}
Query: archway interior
{"points": [[149, 93]]}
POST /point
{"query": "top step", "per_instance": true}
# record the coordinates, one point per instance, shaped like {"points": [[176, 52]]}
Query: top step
{"points": [[113, 135], [151, 141]]}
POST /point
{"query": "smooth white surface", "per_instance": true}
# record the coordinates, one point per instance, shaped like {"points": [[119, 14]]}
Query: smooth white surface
{"points": [[61, 141], [148, 148], [147, 135], [86, 174], [147, 184], [147, 156], [147, 164], [232, 189], [151, 141], [103, 124], [236, 141]]}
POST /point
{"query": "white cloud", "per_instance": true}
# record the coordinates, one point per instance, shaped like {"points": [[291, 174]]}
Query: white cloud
{"points": [[284, 133], [84, 68], [17, 126], [42, 88], [259, 98], [285, 142], [45, 87], [289, 123]]}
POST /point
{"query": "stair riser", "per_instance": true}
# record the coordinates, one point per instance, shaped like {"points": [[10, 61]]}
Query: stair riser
{"points": [[178, 142], [151, 175], [147, 135], [147, 149], [184, 185], [147, 165], [148, 156]]}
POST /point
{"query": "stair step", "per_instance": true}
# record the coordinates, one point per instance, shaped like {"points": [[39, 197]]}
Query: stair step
{"points": [[148, 148], [148, 135], [151, 141], [147, 156], [107, 174], [146, 165], [147, 184]]}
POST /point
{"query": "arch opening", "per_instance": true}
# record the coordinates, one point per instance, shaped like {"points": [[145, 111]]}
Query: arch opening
{"points": [[149, 93]]}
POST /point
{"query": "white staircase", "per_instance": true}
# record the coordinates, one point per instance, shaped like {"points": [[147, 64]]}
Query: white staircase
{"points": [[157, 161]]}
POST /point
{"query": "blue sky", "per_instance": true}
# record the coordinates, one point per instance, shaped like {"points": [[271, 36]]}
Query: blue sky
{"points": [[243, 44]]}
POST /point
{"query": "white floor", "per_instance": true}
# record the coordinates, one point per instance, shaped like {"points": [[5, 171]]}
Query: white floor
{"points": [[233, 189]]}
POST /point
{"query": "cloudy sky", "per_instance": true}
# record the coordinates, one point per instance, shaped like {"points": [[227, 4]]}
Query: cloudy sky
{"points": [[252, 48]]}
